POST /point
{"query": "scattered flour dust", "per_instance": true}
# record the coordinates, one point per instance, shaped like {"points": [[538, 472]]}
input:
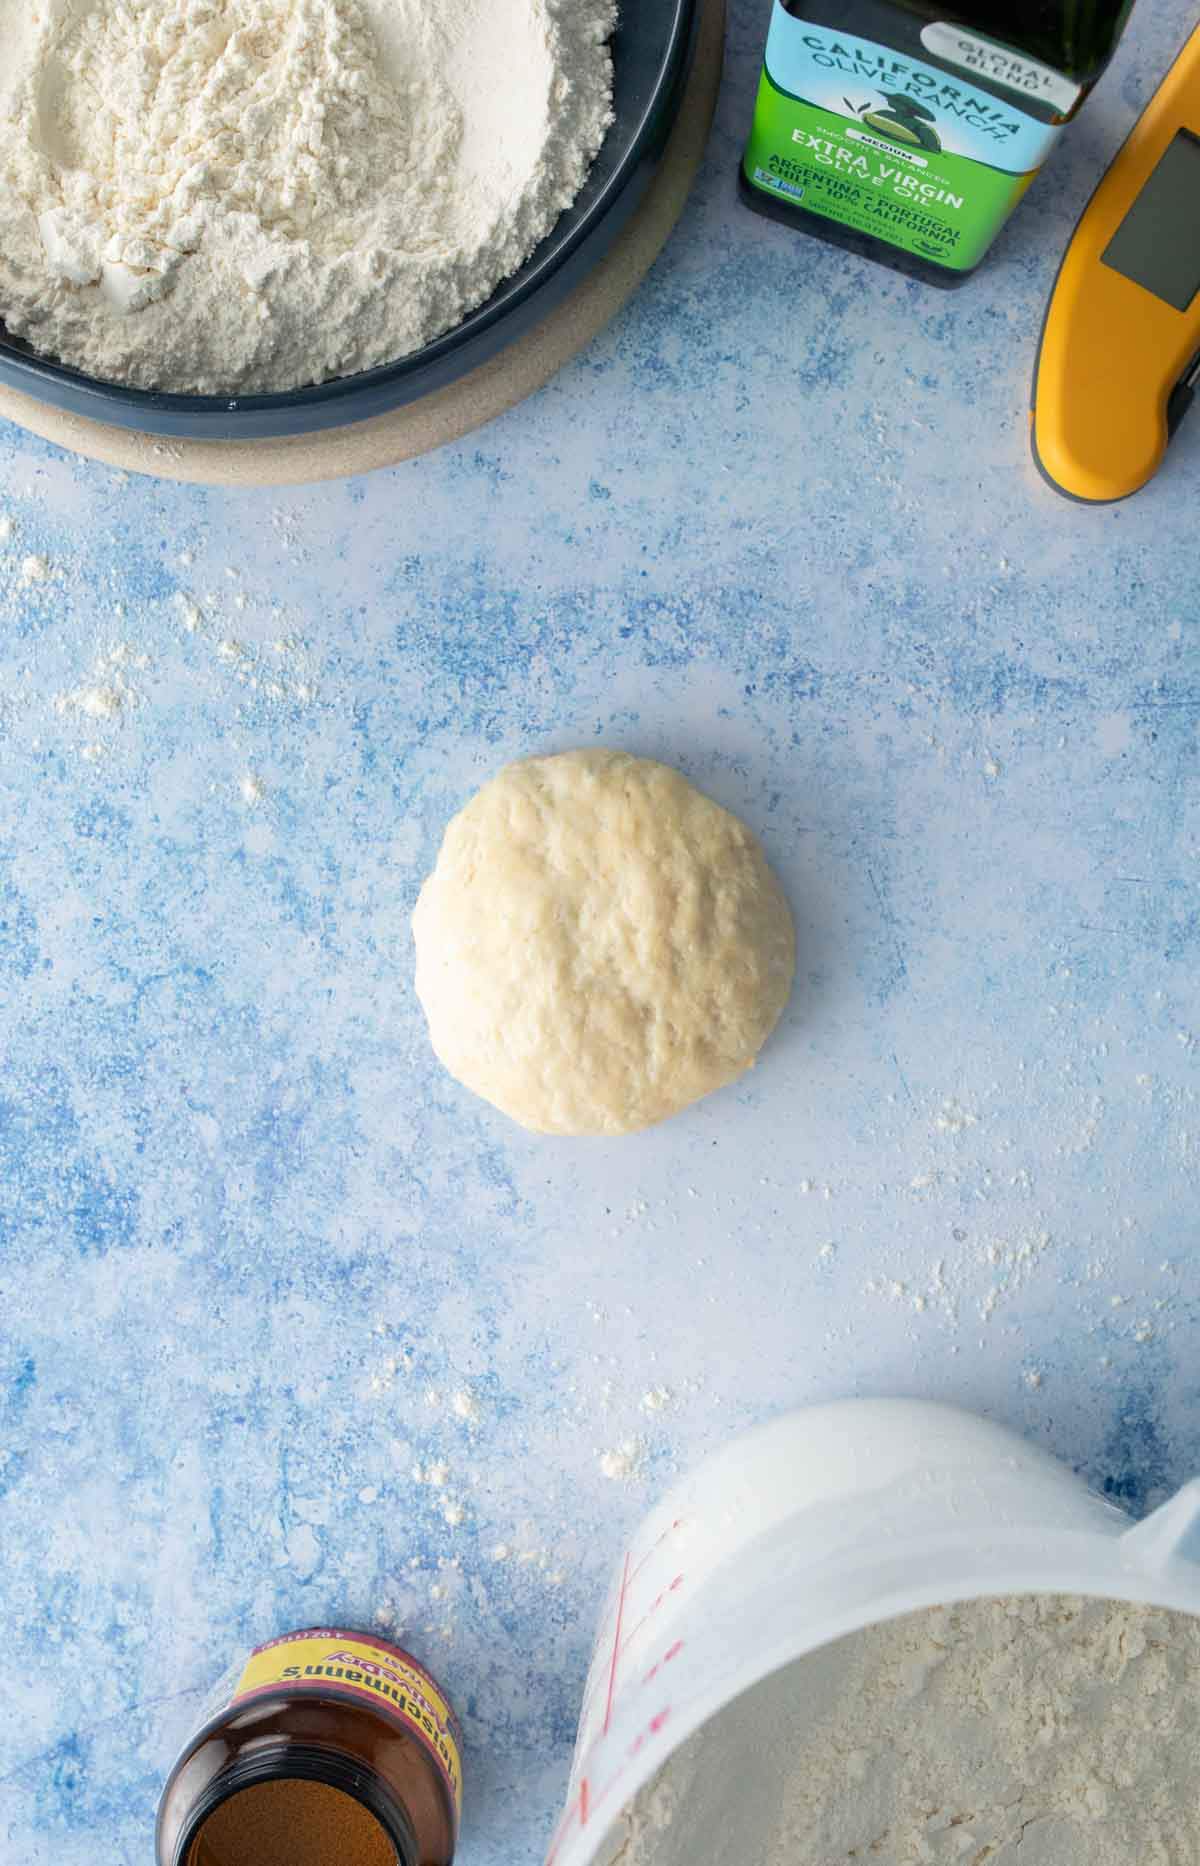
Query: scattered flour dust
{"points": [[465, 1406], [1021, 1732], [625, 1463], [108, 692], [236, 195], [436, 1473], [273, 674]]}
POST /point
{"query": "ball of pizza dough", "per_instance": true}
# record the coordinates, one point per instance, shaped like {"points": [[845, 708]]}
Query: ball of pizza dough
{"points": [[599, 944]]}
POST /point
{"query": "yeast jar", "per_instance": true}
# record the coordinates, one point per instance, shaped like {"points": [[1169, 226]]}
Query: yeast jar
{"points": [[326, 1746]]}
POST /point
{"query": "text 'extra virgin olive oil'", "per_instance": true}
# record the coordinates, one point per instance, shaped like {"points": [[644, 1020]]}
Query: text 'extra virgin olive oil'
{"points": [[909, 132]]}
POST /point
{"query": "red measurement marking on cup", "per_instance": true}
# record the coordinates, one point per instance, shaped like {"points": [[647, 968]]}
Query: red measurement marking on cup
{"points": [[616, 1651], [635, 1571], [656, 1545], [603, 1675], [673, 1587], [652, 1729], [588, 1799], [672, 1652]]}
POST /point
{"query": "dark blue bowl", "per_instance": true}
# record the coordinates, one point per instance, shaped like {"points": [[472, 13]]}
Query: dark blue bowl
{"points": [[652, 51]]}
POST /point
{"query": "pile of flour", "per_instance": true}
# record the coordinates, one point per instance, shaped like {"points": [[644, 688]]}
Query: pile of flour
{"points": [[225, 196], [1016, 1732]]}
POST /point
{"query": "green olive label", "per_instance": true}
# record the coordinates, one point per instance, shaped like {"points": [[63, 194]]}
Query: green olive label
{"points": [[884, 143]]}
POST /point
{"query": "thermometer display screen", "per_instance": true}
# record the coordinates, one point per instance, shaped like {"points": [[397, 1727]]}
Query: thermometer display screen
{"points": [[1157, 245]]}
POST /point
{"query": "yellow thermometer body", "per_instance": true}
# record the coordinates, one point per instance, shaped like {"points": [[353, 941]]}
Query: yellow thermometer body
{"points": [[1120, 348]]}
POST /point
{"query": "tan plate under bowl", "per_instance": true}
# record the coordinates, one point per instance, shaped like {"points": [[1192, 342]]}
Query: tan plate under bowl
{"points": [[451, 412]]}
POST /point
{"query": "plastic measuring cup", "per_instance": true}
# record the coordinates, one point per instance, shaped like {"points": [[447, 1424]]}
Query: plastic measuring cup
{"points": [[819, 1524]]}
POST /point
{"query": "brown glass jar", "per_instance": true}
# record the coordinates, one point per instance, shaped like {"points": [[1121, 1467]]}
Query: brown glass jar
{"points": [[328, 1746]]}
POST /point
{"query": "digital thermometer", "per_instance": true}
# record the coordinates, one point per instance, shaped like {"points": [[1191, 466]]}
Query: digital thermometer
{"points": [[1119, 358]]}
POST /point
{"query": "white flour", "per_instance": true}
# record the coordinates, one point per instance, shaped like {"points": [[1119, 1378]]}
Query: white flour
{"points": [[241, 195], [1019, 1732]]}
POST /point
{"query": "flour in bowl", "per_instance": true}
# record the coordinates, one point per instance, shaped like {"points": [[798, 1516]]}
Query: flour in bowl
{"points": [[231, 196], [1025, 1731]]}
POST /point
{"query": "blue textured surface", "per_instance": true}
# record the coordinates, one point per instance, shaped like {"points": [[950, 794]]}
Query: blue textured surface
{"points": [[778, 526]]}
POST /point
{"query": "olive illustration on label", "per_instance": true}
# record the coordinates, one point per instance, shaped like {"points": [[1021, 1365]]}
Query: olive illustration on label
{"points": [[904, 121]]}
